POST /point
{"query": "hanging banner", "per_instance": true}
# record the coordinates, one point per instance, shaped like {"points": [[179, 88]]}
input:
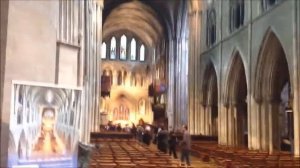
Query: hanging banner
{"points": [[43, 129]]}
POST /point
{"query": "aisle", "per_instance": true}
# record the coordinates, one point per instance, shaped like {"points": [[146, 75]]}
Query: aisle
{"points": [[195, 161]]}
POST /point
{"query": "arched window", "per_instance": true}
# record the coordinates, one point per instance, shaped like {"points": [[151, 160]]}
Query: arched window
{"points": [[237, 14], [124, 78], [142, 81], [115, 114], [267, 4], [103, 51], [142, 53], [72, 117], [126, 112], [211, 27], [121, 113], [123, 48], [133, 49], [113, 48], [142, 107], [119, 82], [133, 79], [19, 115]]}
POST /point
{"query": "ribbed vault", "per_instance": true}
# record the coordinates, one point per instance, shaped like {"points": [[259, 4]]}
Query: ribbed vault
{"points": [[136, 18]]}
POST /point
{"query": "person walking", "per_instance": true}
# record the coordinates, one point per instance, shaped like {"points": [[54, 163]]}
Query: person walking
{"points": [[172, 144], [162, 140], [186, 146]]}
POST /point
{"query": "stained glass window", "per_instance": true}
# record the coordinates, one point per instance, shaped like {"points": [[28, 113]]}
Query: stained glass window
{"points": [[123, 48], [113, 48], [142, 53], [133, 50], [103, 51]]}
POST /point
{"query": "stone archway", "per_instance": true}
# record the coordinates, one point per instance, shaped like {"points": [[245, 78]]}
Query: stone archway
{"points": [[210, 102], [272, 75], [236, 103]]}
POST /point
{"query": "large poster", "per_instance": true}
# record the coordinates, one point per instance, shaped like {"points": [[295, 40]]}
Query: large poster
{"points": [[44, 126]]}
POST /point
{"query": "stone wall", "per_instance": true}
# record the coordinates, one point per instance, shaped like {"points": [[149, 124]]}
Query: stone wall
{"points": [[249, 41]]}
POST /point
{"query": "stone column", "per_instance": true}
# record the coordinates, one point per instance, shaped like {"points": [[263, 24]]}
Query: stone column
{"points": [[232, 124], [191, 75], [98, 63], [171, 87], [254, 123], [240, 121], [202, 120], [224, 125], [264, 126], [208, 120], [295, 80], [273, 111]]}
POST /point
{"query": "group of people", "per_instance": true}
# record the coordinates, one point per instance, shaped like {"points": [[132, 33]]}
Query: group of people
{"points": [[167, 142], [116, 127]]}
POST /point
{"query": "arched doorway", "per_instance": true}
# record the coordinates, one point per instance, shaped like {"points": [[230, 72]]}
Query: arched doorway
{"points": [[235, 98], [272, 94], [210, 101]]}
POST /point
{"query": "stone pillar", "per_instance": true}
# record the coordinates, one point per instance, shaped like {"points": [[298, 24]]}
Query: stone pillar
{"points": [[223, 133], [91, 83], [191, 75], [240, 121], [232, 124], [208, 119], [295, 80], [98, 63], [202, 119], [220, 129], [264, 126], [171, 87], [194, 51], [296, 116], [274, 140]]}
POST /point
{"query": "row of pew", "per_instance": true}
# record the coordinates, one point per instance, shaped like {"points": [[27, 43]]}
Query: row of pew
{"points": [[123, 153], [237, 158]]}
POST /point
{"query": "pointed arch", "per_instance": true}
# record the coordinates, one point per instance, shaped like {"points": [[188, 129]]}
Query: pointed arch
{"points": [[113, 47], [119, 78], [270, 55], [103, 50], [142, 53], [133, 50], [209, 102], [123, 47], [271, 75], [209, 73], [235, 74]]}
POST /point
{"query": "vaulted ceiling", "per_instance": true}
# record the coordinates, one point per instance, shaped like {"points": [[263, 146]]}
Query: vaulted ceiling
{"points": [[150, 20]]}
